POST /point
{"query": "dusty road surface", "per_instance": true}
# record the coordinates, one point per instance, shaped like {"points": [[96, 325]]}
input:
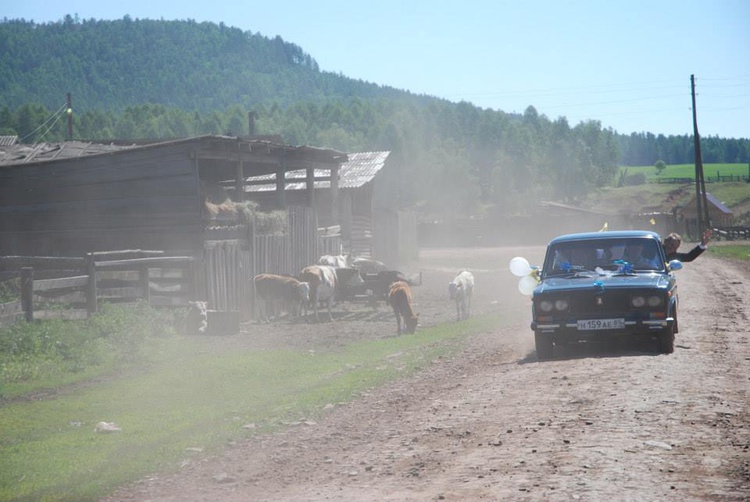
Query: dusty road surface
{"points": [[495, 424]]}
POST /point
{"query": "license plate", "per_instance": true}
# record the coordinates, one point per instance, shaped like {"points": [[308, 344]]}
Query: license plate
{"points": [[597, 324]]}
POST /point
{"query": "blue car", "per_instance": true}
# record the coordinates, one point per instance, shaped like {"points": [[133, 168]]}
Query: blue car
{"points": [[605, 286]]}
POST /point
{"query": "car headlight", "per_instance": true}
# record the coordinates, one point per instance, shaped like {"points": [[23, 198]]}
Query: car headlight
{"points": [[561, 305], [546, 305], [638, 301], [654, 301]]}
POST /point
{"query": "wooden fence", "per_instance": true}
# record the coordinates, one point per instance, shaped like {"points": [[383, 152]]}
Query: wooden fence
{"points": [[719, 178], [732, 233], [72, 287]]}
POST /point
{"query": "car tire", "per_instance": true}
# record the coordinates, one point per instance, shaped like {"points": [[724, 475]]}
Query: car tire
{"points": [[665, 341], [544, 346]]}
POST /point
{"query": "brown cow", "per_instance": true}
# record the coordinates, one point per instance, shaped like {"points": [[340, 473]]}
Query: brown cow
{"points": [[288, 291], [400, 298]]}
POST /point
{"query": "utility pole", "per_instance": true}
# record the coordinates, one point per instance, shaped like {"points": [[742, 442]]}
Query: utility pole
{"points": [[703, 220], [69, 109]]}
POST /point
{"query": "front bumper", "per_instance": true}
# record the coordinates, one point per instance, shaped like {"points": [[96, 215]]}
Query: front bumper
{"points": [[569, 329]]}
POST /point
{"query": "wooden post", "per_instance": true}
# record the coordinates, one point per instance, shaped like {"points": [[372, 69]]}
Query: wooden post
{"points": [[281, 186], [91, 301], [193, 280], [27, 292], [310, 184], [239, 182], [143, 283], [335, 218]]}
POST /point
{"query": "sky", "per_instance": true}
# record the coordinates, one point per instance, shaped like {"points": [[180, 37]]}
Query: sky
{"points": [[624, 63]]}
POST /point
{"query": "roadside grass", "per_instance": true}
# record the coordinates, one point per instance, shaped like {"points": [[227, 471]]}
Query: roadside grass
{"points": [[189, 400], [733, 251]]}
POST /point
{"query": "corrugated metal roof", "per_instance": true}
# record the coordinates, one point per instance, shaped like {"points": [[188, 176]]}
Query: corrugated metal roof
{"points": [[8, 140], [716, 202], [359, 169]]}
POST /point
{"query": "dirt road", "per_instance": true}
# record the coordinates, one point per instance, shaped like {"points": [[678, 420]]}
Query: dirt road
{"points": [[495, 424]]}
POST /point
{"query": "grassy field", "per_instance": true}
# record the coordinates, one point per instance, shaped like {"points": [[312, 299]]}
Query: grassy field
{"points": [[688, 171], [653, 196], [183, 398]]}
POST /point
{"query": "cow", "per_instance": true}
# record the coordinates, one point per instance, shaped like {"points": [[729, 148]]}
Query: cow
{"points": [[322, 280], [369, 266], [338, 261], [272, 289], [400, 298], [460, 291], [348, 281]]}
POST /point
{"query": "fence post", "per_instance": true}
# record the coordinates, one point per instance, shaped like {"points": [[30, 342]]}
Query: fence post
{"points": [[27, 292], [143, 283], [91, 303]]}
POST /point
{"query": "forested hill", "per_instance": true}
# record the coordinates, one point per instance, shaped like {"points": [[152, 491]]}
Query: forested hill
{"points": [[146, 79], [109, 65]]}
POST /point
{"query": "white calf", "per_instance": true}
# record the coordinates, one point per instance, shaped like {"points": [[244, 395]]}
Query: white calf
{"points": [[339, 261], [461, 290]]}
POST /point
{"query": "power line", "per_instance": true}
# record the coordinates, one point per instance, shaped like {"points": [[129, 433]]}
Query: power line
{"points": [[54, 115]]}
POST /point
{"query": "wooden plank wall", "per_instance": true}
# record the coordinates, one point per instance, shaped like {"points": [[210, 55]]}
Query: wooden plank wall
{"points": [[147, 198], [361, 236]]}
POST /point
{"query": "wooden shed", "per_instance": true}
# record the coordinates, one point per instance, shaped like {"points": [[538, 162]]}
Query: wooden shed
{"points": [[719, 214], [350, 205], [74, 197]]}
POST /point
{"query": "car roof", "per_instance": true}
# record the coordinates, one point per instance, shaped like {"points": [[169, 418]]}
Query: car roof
{"points": [[618, 234]]}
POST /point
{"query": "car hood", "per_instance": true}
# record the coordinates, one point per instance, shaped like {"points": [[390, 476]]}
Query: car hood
{"points": [[584, 282]]}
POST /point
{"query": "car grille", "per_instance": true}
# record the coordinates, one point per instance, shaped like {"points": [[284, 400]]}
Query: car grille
{"points": [[590, 302]]}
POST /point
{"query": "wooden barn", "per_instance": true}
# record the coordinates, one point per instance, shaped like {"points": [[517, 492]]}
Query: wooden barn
{"points": [[719, 214], [73, 197]]}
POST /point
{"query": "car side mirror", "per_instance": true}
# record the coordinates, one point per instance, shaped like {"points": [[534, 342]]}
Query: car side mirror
{"points": [[675, 265]]}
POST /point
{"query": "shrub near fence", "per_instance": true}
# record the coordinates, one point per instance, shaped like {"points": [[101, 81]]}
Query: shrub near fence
{"points": [[70, 287]]}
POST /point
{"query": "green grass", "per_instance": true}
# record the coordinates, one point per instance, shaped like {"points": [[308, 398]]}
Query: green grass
{"points": [[734, 251], [688, 171], [192, 397]]}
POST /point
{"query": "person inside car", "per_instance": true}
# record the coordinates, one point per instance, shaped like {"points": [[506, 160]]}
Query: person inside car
{"points": [[641, 257]]}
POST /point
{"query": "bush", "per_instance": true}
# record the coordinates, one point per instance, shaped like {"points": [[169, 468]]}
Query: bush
{"points": [[47, 350], [631, 179]]}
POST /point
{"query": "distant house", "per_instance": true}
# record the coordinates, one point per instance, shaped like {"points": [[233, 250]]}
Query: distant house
{"points": [[719, 214]]}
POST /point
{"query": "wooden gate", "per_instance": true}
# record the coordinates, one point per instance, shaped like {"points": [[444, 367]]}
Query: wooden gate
{"points": [[232, 256]]}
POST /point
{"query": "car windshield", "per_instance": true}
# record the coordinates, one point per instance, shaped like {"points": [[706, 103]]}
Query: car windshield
{"points": [[577, 257]]}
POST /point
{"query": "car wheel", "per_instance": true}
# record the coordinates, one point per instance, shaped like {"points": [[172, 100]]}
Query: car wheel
{"points": [[665, 341], [544, 346]]}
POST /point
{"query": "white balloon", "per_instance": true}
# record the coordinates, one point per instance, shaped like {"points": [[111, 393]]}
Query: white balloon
{"points": [[520, 266], [526, 285]]}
